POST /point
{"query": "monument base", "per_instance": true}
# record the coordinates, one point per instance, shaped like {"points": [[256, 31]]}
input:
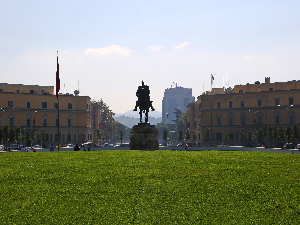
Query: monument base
{"points": [[144, 137]]}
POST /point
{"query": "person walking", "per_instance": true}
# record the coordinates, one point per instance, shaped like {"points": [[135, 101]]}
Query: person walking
{"points": [[52, 148], [76, 148]]}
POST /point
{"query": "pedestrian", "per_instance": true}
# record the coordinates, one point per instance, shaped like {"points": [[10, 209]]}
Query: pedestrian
{"points": [[89, 149], [76, 148], [185, 147], [52, 148]]}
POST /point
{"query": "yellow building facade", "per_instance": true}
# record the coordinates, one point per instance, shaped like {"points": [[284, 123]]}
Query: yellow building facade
{"points": [[255, 106], [35, 107]]}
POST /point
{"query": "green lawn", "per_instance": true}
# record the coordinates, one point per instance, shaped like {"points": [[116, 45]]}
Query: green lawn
{"points": [[143, 187]]}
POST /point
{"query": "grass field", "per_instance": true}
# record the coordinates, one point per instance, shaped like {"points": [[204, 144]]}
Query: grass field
{"points": [[141, 187]]}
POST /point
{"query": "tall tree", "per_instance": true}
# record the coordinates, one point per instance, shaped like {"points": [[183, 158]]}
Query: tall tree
{"points": [[180, 135], [282, 133], [270, 134], [296, 132], [11, 136], [17, 135], [43, 137], [99, 135], [121, 136], [254, 136], [243, 135], [5, 135], [226, 136], [289, 133], [275, 134], [1, 135], [32, 136], [165, 135]]}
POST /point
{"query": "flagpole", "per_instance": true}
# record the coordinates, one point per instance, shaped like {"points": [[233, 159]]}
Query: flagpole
{"points": [[57, 90]]}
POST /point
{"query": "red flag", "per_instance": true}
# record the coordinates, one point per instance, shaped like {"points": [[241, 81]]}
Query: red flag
{"points": [[57, 80], [212, 77]]}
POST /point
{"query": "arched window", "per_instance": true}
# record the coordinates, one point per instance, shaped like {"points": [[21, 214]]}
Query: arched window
{"points": [[230, 119], [45, 120], [243, 118], [259, 117], [277, 117], [69, 120], [291, 117], [219, 119], [28, 120], [11, 120]]}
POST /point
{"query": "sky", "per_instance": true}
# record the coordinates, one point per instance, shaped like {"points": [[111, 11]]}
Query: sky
{"points": [[109, 47]]}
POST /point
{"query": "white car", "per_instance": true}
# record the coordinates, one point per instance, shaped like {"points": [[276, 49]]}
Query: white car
{"points": [[1, 147], [36, 146], [223, 145], [70, 146]]}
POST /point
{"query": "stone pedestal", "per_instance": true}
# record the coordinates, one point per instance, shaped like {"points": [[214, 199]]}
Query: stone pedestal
{"points": [[144, 137]]}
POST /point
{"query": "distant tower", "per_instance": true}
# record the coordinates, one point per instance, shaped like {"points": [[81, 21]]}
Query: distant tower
{"points": [[175, 98]]}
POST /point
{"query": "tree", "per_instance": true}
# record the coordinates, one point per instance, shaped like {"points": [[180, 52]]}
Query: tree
{"points": [[1, 135], [165, 135], [226, 136], [281, 133], [32, 135], [187, 135], [275, 134], [5, 135], [121, 135], [11, 136], [43, 137], [289, 133], [17, 135], [270, 134], [180, 135], [243, 135], [178, 114], [99, 135], [207, 135], [296, 132], [254, 136]]}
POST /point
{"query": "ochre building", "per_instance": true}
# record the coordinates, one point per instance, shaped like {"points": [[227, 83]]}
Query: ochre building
{"points": [[250, 106], [35, 107]]}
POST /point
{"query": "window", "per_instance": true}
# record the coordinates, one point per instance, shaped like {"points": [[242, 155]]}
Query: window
{"points": [[277, 102], [218, 121], [87, 106], [291, 120], [230, 104], [259, 102], [199, 107], [28, 104], [243, 120], [10, 103], [69, 122], [218, 105], [56, 105], [291, 117], [45, 122], [291, 101], [28, 122], [69, 105], [242, 103], [259, 121], [277, 120], [18, 91], [69, 137], [91, 137], [56, 122], [44, 105], [240, 91], [230, 122], [1, 90], [11, 121], [31, 92], [270, 89]]}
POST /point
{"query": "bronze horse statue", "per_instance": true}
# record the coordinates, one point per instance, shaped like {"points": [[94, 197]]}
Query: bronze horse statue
{"points": [[143, 102]]}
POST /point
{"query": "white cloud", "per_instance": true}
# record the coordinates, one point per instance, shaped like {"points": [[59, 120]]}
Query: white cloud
{"points": [[182, 45], [156, 48], [112, 50]]}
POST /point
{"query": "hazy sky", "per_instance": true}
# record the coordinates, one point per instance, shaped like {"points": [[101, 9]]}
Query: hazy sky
{"points": [[110, 45]]}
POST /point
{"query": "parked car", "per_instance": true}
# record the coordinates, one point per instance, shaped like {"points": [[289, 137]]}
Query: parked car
{"points": [[224, 145], [70, 145], [1, 147], [298, 146], [36, 146], [289, 145], [14, 146]]}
